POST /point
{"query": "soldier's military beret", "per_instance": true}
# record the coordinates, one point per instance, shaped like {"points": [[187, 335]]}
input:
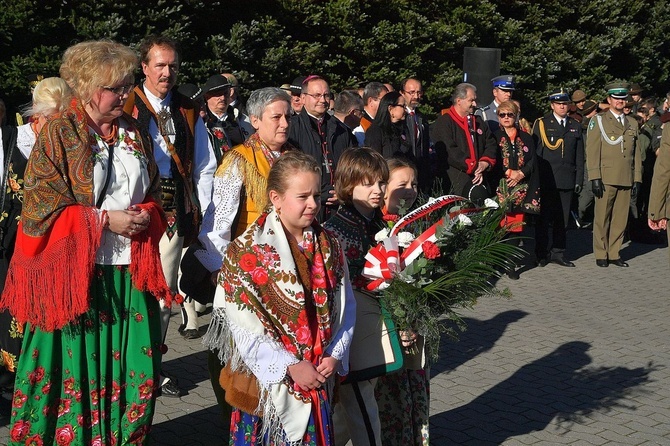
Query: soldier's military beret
{"points": [[617, 89], [578, 96], [506, 82], [559, 95]]}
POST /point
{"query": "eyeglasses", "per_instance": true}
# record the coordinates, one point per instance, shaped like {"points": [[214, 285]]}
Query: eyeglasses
{"points": [[325, 96], [415, 93], [120, 90], [506, 115]]}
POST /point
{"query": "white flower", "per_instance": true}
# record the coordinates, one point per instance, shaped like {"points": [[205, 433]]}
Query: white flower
{"points": [[382, 286], [405, 238], [431, 199], [464, 219], [383, 234], [489, 203]]}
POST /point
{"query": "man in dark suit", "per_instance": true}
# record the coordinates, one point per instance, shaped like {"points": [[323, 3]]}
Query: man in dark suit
{"points": [[560, 149], [615, 169], [323, 136], [417, 131], [464, 144]]}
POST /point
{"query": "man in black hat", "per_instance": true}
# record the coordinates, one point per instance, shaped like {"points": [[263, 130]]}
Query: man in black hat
{"points": [[295, 89], [503, 87], [560, 150], [225, 129], [615, 171]]}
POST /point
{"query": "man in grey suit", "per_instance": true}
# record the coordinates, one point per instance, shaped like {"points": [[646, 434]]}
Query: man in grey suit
{"points": [[503, 87], [615, 171]]}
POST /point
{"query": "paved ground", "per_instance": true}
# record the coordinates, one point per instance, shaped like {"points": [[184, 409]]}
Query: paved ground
{"points": [[577, 356]]}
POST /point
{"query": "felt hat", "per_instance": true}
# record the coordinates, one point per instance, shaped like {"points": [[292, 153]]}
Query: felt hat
{"points": [[296, 85], [635, 89], [578, 96], [214, 83], [191, 91], [506, 82], [589, 106]]}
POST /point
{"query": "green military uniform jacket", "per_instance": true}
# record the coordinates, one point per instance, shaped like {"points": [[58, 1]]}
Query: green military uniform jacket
{"points": [[660, 184], [611, 150]]}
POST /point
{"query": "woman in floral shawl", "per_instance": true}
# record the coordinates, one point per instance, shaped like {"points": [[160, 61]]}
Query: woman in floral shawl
{"points": [[86, 274], [520, 181], [284, 315]]}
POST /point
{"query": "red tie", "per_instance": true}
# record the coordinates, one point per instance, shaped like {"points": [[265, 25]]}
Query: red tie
{"points": [[416, 126]]}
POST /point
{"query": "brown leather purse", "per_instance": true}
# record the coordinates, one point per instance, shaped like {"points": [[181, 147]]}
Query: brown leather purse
{"points": [[242, 390]]}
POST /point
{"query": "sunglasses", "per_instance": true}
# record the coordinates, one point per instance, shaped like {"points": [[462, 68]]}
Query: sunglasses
{"points": [[506, 115]]}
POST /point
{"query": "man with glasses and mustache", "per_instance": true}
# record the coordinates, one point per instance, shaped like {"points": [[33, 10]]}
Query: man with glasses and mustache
{"points": [[417, 131], [321, 135], [560, 150], [185, 159], [465, 146], [614, 168]]}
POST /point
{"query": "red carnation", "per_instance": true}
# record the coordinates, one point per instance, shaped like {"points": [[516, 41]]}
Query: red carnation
{"points": [[391, 217], [430, 250]]}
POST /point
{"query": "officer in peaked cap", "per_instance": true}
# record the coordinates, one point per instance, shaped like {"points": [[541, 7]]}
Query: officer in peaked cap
{"points": [[615, 171], [560, 149], [503, 86]]}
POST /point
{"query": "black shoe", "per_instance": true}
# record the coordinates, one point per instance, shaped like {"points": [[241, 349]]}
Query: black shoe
{"points": [[619, 262], [602, 263], [563, 262], [191, 334], [170, 389], [541, 262], [513, 275]]}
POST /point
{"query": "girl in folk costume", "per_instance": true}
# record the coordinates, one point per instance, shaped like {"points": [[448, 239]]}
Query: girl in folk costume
{"points": [[404, 396], [284, 316], [86, 275], [360, 181]]}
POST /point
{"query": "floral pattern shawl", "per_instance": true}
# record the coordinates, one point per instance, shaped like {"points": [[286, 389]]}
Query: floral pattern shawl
{"points": [[265, 297]]}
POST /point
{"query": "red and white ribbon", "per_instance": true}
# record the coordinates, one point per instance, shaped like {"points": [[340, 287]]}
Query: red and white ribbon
{"points": [[383, 261]]}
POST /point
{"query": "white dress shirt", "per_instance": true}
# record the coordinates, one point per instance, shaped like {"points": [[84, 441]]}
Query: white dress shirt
{"points": [[204, 161]]}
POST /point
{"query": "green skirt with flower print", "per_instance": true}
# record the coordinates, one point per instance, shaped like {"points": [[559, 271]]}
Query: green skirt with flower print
{"points": [[94, 382]]}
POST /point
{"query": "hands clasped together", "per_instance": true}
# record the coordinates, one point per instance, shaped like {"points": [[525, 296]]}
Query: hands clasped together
{"points": [[128, 222], [309, 376]]}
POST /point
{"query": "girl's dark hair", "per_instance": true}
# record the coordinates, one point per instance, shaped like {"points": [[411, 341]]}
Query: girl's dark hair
{"points": [[356, 165]]}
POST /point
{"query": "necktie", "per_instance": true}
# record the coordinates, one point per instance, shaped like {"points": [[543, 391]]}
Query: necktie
{"points": [[416, 127], [563, 123], [621, 120]]}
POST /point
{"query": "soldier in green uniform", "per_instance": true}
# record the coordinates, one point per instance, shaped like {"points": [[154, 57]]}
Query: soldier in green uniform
{"points": [[659, 210], [614, 169]]}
